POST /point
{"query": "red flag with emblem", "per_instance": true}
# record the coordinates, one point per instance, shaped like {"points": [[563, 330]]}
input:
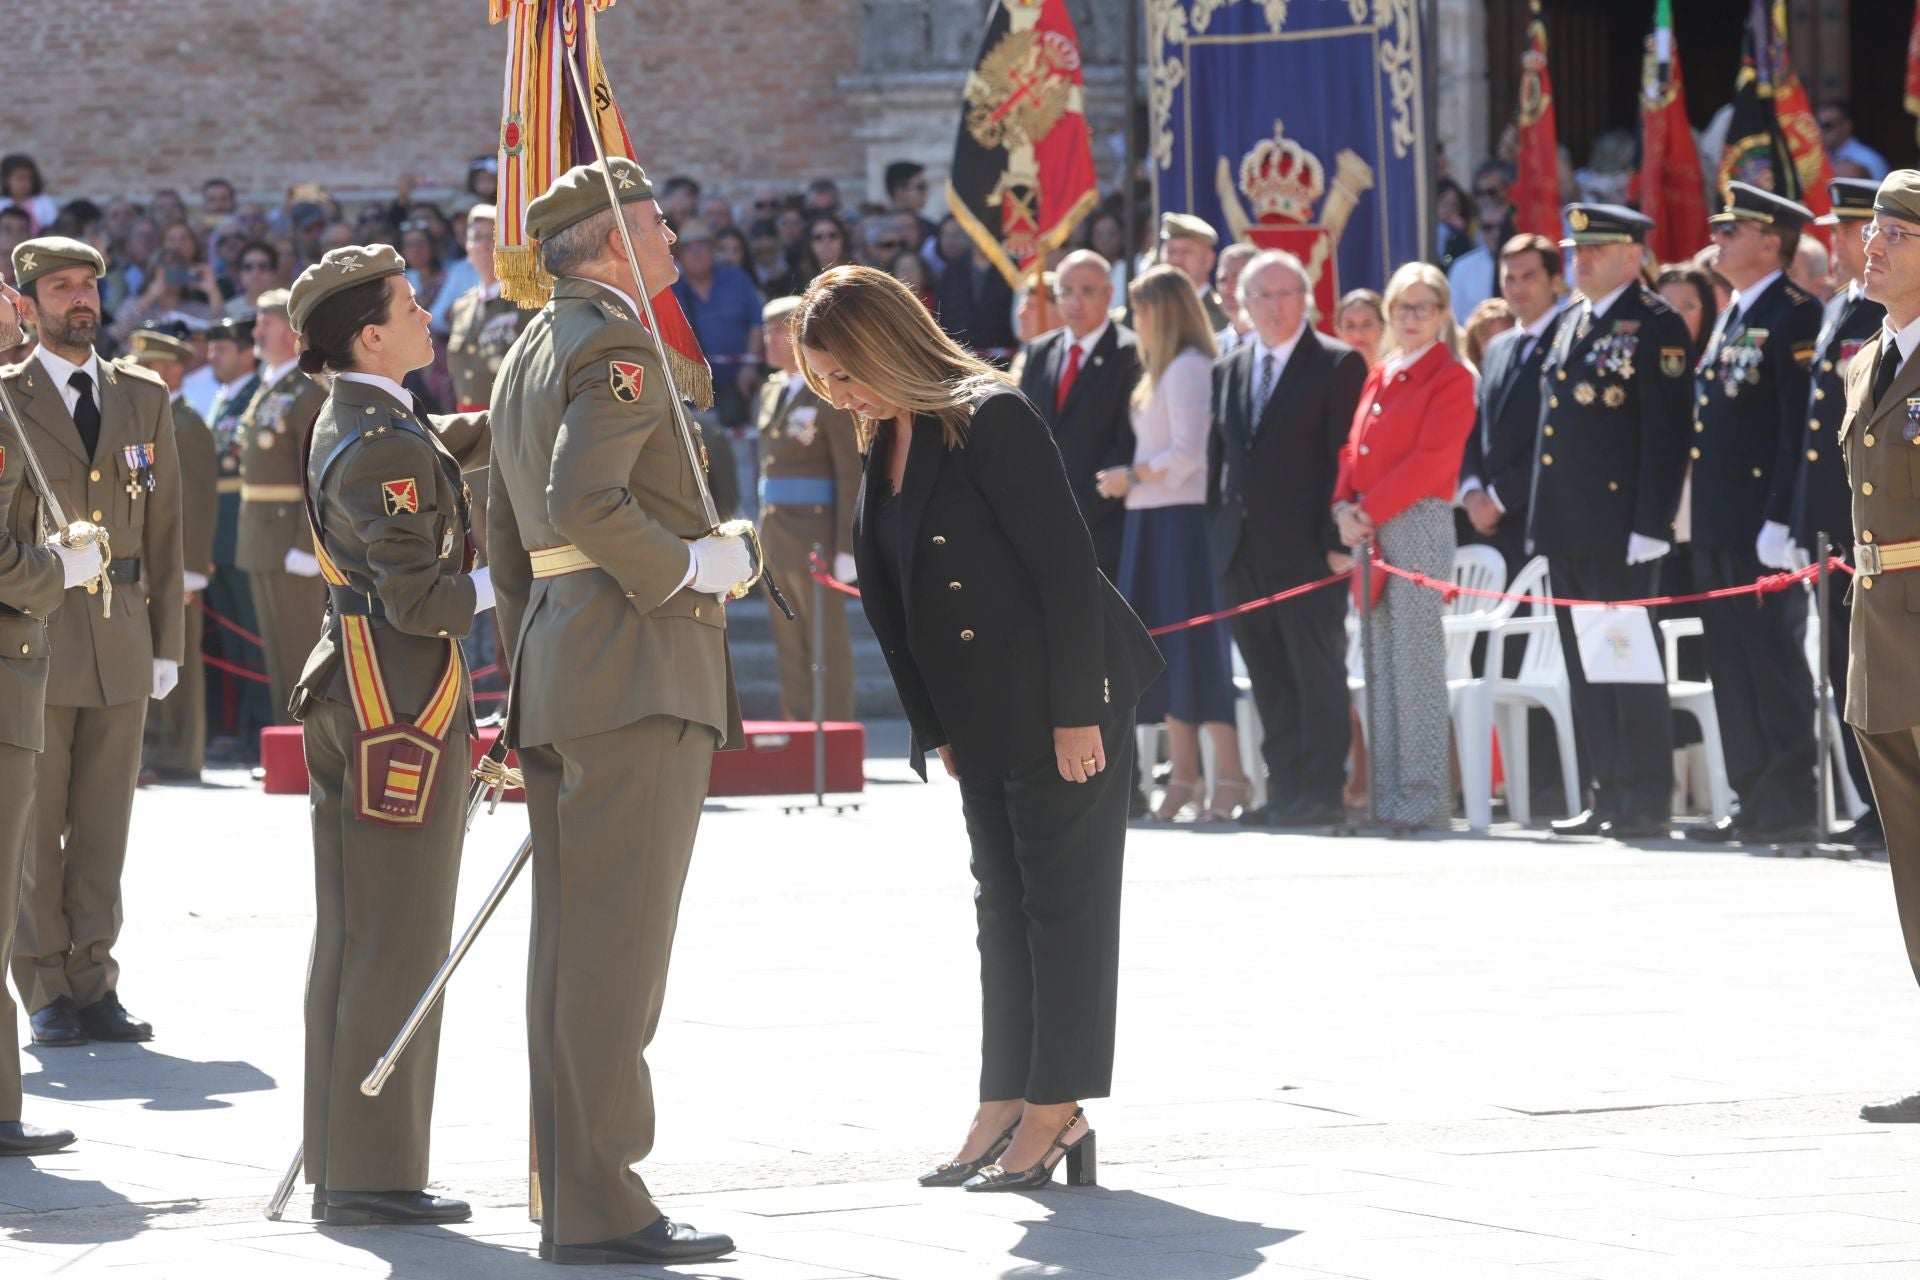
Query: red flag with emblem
{"points": [[1536, 185], [1672, 186]]}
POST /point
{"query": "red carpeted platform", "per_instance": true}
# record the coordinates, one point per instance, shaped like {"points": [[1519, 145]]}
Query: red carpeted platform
{"points": [[777, 760]]}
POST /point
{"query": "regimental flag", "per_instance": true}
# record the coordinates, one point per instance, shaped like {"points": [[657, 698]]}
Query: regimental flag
{"points": [[1536, 185], [1672, 187], [544, 131], [1295, 127], [1022, 175], [1913, 69], [1773, 142]]}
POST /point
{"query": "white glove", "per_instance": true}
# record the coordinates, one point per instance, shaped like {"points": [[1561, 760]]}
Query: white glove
{"points": [[483, 588], [1774, 546], [193, 581], [720, 564], [79, 564], [300, 564], [166, 674], [1641, 548], [843, 568]]}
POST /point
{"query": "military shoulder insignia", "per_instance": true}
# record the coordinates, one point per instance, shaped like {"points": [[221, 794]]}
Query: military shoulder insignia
{"points": [[1673, 361], [401, 495], [626, 380]]}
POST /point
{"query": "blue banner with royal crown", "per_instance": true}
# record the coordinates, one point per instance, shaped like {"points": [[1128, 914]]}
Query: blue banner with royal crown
{"points": [[1297, 125]]}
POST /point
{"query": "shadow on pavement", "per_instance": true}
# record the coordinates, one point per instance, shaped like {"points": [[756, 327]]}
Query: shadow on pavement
{"points": [[61, 1210], [103, 1072], [1207, 1246], [418, 1251]]}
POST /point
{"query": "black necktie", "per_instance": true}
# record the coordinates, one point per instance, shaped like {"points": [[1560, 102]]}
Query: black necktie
{"points": [[1889, 370], [86, 414]]}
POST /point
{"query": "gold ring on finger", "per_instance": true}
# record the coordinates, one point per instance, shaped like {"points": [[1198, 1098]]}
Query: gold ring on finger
{"points": [[1089, 762]]}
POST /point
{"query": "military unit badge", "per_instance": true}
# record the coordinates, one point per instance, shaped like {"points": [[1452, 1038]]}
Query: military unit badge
{"points": [[625, 379], [401, 495], [1673, 361]]}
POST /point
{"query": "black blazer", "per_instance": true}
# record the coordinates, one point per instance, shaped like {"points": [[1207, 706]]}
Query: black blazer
{"points": [[1500, 451], [1094, 429], [1006, 628], [1822, 499], [1270, 493]]}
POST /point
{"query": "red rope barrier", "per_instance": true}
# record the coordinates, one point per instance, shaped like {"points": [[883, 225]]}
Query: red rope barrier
{"points": [[232, 669], [252, 639]]}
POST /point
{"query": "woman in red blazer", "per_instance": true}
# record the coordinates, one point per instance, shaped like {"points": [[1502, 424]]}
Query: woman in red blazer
{"points": [[1398, 473]]}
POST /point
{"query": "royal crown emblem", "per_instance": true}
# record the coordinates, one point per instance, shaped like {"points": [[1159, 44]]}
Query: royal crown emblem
{"points": [[1282, 179]]}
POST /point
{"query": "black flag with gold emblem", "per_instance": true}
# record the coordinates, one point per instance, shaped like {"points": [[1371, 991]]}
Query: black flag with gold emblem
{"points": [[1022, 173]]}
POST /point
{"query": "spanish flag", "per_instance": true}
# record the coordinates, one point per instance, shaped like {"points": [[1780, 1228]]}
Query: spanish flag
{"points": [[1022, 174]]}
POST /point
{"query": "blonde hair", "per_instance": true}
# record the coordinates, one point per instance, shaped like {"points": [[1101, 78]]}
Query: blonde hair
{"points": [[1169, 321], [881, 335], [1405, 278]]}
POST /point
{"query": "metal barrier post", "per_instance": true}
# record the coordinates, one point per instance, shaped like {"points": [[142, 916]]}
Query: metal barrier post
{"points": [[1366, 672], [819, 643], [1822, 808]]}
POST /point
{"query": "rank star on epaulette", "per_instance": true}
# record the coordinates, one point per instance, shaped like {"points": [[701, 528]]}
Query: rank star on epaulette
{"points": [[626, 380], [400, 495], [615, 311]]}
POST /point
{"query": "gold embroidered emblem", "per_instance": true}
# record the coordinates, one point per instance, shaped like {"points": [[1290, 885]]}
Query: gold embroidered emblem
{"points": [[1021, 88], [400, 495], [1673, 361], [1577, 219], [348, 262], [626, 380], [1613, 397], [1584, 393]]}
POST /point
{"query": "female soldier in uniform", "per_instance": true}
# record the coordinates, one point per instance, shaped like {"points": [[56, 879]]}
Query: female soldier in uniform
{"points": [[388, 721]]}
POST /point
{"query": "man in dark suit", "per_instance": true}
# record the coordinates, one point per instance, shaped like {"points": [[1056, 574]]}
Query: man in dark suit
{"points": [[1283, 403], [1751, 418], [1496, 472], [1822, 500], [1080, 379], [1606, 485]]}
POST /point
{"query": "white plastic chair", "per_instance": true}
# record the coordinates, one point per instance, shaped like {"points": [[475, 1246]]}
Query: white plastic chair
{"points": [[1695, 698], [1542, 682], [1481, 568]]}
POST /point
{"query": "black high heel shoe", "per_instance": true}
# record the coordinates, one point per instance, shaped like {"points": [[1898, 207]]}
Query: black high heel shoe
{"points": [[1083, 1169], [955, 1172]]}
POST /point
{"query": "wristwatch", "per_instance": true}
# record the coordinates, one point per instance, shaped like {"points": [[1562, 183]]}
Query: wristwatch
{"points": [[1133, 477]]}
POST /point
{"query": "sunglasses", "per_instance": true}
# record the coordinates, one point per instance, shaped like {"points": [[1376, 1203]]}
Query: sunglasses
{"points": [[256, 266], [1490, 193]]}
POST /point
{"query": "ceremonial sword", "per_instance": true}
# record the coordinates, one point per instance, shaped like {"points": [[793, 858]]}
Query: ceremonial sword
{"points": [[733, 528]]}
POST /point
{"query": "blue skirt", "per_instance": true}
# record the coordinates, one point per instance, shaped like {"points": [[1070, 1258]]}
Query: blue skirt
{"points": [[1166, 574]]}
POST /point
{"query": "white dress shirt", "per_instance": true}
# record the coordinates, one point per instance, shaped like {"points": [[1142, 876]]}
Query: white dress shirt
{"points": [[381, 381], [272, 375], [1280, 355], [61, 369]]}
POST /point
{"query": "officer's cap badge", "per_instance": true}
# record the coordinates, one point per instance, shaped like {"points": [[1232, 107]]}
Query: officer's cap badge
{"points": [[625, 380]]}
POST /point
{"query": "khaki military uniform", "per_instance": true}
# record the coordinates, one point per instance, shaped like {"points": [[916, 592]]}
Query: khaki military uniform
{"points": [[101, 672], [30, 589], [809, 478], [177, 725], [272, 522], [480, 330], [589, 533], [392, 512]]}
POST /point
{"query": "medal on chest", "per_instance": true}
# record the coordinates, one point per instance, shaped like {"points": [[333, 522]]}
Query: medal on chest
{"points": [[1740, 360], [1611, 356], [140, 478], [801, 425], [1911, 432]]}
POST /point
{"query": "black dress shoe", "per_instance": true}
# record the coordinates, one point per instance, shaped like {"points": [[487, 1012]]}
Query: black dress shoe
{"points": [[1258, 815], [107, 1019], [380, 1208], [1725, 831], [17, 1139], [954, 1172], [1584, 823], [1905, 1111], [1621, 829], [663, 1243], [1307, 813], [1866, 835], [57, 1024]]}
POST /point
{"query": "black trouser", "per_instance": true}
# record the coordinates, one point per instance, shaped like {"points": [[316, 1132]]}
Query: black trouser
{"points": [[1762, 690], [1624, 732], [1296, 656], [1047, 856]]}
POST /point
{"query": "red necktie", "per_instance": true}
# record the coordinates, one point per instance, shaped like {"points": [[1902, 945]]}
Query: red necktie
{"points": [[1066, 379]]}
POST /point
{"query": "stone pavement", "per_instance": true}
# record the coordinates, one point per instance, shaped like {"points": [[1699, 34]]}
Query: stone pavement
{"points": [[1398, 1060]]}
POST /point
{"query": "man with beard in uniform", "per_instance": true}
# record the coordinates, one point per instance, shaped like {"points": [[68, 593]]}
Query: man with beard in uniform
{"points": [[33, 583], [105, 436], [1606, 484], [176, 738], [230, 356], [1751, 416], [603, 560], [1821, 501], [276, 544]]}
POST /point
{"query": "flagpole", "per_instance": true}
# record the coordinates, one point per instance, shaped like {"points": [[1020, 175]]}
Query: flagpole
{"points": [[1129, 201]]}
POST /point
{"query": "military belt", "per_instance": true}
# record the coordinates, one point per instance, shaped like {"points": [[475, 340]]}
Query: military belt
{"points": [[1870, 558], [124, 569], [228, 484], [348, 603], [552, 562], [271, 493]]}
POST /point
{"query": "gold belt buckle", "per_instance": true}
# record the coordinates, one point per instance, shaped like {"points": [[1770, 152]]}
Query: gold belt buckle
{"points": [[1866, 558]]}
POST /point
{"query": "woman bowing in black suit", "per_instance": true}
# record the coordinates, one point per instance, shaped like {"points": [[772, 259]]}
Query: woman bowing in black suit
{"points": [[1018, 661]]}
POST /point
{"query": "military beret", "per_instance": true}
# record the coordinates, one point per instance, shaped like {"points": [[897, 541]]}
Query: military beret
{"points": [[581, 192], [151, 347], [337, 269], [1604, 224], [779, 308], [47, 254], [1852, 199], [232, 329], [1184, 226], [1748, 203], [1899, 195]]}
